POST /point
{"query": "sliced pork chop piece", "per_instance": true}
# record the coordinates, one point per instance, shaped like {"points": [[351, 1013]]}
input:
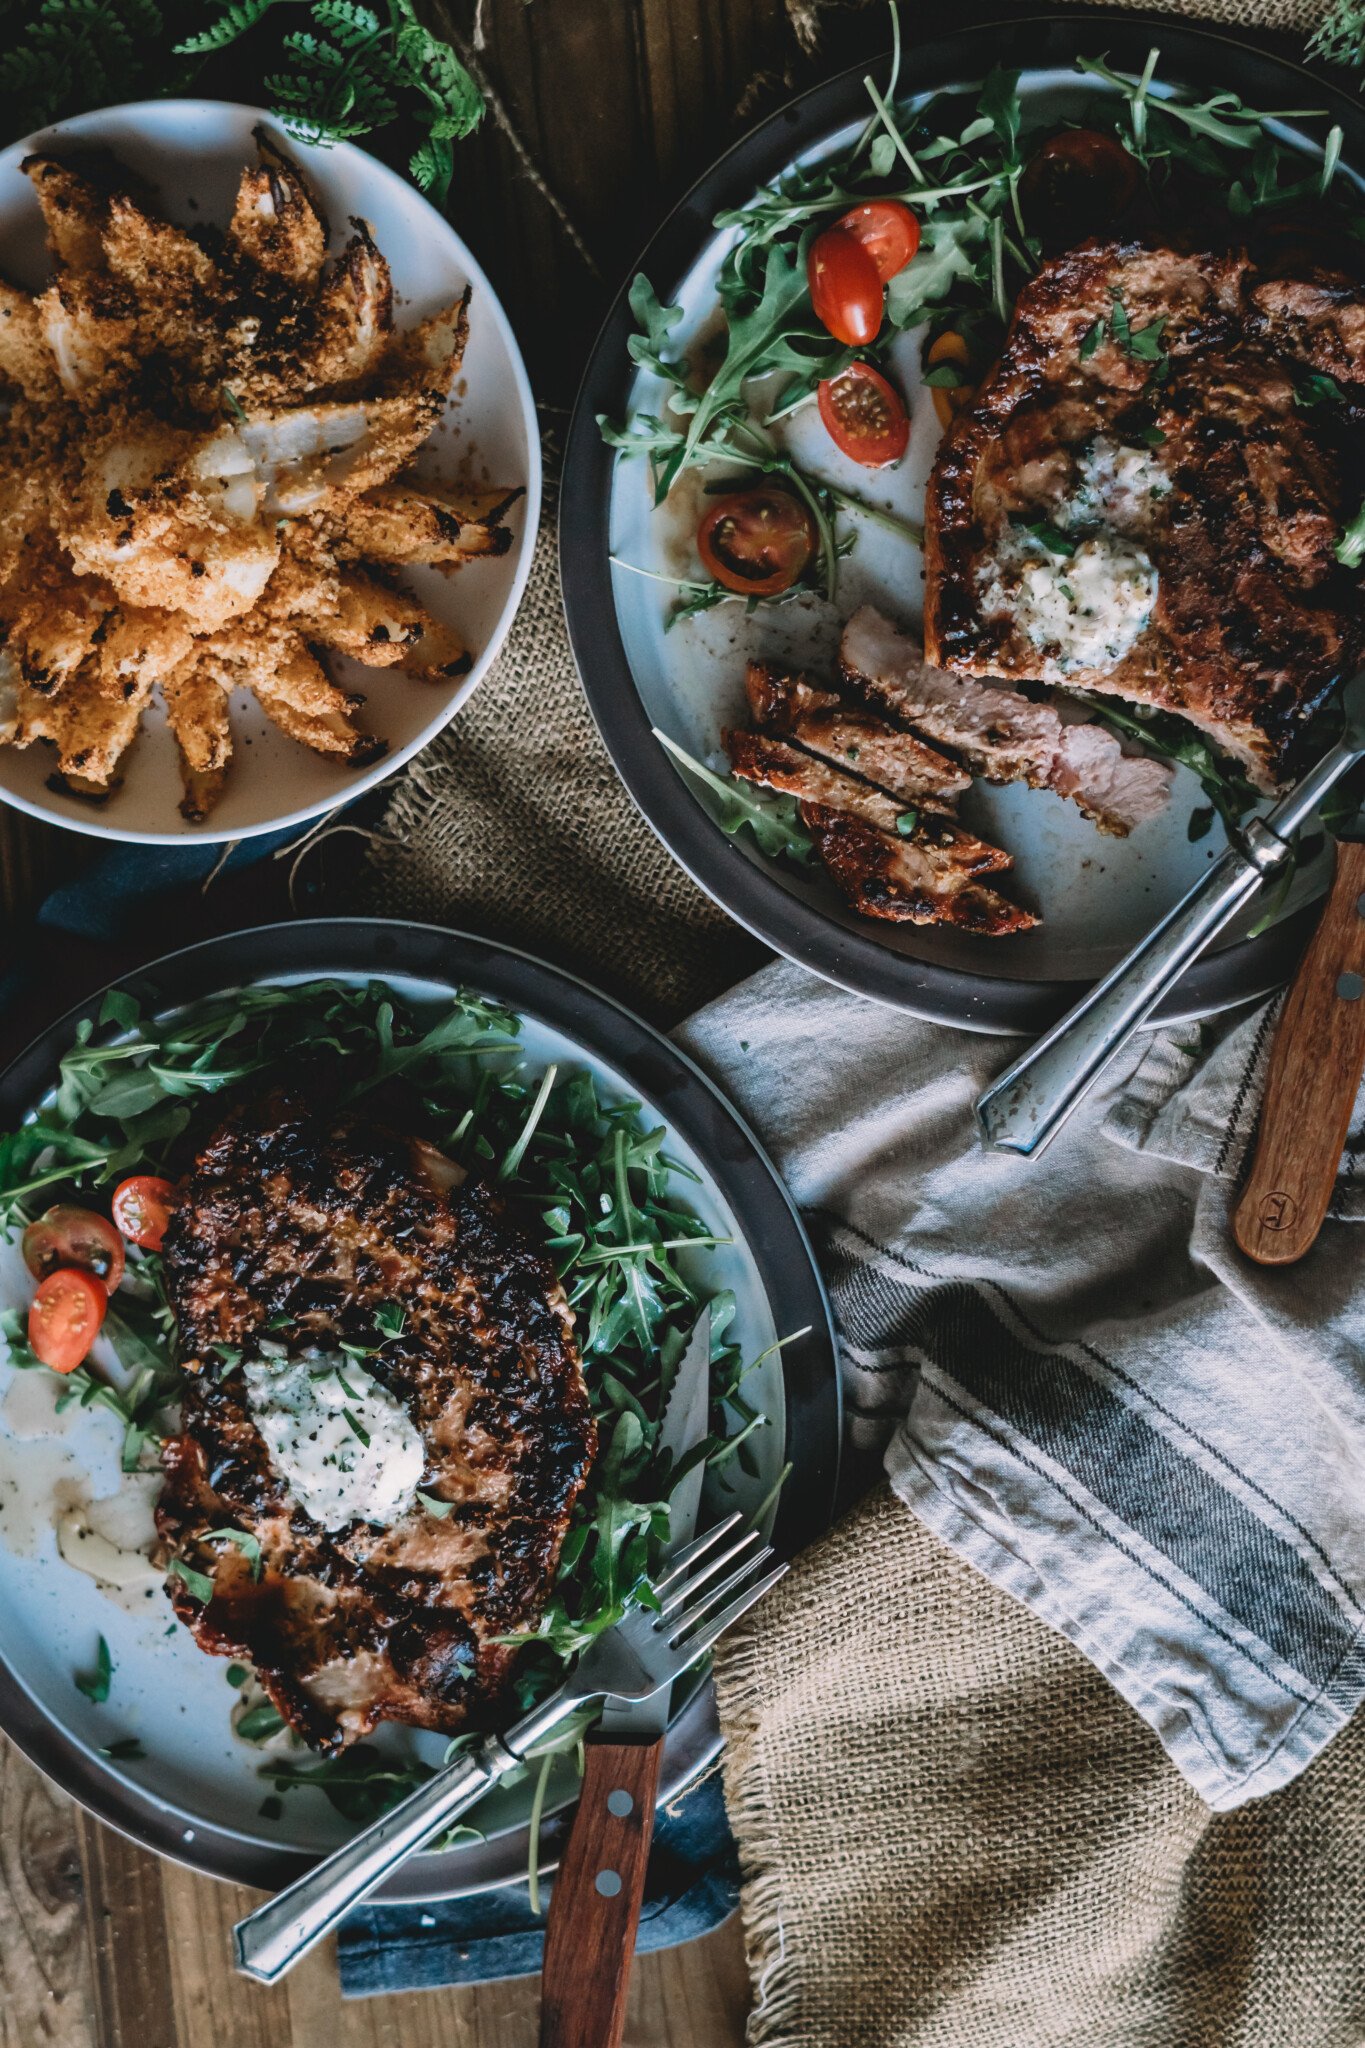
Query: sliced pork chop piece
{"points": [[1000, 734], [308, 1221], [792, 707], [777, 696], [904, 882], [777, 765]]}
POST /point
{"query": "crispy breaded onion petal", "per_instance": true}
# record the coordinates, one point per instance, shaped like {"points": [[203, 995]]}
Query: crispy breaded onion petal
{"points": [[197, 713], [400, 523], [73, 211], [276, 228]]}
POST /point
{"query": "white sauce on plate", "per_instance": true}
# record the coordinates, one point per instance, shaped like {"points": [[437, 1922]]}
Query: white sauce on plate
{"points": [[344, 1447]]}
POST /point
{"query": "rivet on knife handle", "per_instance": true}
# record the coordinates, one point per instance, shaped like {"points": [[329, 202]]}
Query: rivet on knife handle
{"points": [[1315, 1067]]}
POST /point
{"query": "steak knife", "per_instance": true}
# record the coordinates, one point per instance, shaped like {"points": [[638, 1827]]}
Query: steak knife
{"points": [[595, 1905]]}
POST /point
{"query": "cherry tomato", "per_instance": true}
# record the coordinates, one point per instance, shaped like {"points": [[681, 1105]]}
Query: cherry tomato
{"points": [[949, 399], [1078, 182], [865, 415], [757, 542], [142, 1209], [887, 230], [67, 1236], [845, 289], [64, 1317]]}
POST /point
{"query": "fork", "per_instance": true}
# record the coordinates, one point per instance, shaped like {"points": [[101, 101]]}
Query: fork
{"points": [[638, 1657]]}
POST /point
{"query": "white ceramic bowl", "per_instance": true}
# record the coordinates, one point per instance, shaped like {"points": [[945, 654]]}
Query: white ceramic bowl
{"points": [[191, 153]]}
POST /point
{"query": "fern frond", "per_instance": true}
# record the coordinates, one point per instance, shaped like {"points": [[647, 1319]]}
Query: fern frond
{"points": [[349, 23], [238, 18], [1339, 37]]}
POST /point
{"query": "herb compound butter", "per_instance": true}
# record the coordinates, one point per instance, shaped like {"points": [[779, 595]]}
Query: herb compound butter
{"points": [[1082, 610], [344, 1447], [1115, 487]]}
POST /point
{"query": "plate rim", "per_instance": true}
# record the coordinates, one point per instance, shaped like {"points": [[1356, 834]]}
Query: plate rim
{"points": [[486, 298], [746, 891], [629, 1044]]}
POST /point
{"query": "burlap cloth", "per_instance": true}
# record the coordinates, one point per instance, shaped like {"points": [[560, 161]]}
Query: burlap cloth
{"points": [[954, 1833]]}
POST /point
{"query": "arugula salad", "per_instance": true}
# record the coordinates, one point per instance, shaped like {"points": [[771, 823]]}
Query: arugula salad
{"points": [[592, 1178], [928, 224]]}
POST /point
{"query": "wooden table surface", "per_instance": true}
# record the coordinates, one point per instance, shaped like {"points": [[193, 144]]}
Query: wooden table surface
{"points": [[602, 112]]}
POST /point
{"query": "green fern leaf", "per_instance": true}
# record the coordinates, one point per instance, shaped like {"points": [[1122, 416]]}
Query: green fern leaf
{"points": [[238, 18], [1340, 36]]}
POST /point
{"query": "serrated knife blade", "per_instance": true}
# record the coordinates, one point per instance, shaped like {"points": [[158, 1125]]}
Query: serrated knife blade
{"points": [[684, 1424]]}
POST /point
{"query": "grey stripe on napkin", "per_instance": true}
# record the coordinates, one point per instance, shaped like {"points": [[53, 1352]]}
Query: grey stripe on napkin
{"points": [[1072, 1377]]}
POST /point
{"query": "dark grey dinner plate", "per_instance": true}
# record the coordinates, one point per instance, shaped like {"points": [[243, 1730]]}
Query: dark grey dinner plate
{"points": [[773, 1237], [842, 949]]}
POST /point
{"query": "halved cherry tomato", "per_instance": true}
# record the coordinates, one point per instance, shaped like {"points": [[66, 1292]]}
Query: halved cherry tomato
{"points": [[865, 415], [142, 1209], [845, 289], [757, 542], [1077, 182], [67, 1236], [949, 399], [64, 1317], [887, 230]]}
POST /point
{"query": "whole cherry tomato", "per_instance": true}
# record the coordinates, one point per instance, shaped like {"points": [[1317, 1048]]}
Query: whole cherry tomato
{"points": [[1077, 183], [845, 289], [865, 416], [887, 230]]}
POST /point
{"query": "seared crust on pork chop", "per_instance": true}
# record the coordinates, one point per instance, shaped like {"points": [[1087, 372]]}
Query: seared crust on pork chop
{"points": [[310, 1221], [1137, 502]]}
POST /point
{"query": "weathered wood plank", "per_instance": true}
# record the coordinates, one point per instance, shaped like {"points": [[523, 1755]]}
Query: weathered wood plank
{"points": [[45, 1976]]}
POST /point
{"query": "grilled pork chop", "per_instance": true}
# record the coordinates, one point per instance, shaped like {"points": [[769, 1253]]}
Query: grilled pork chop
{"points": [[1136, 501], [295, 1228]]}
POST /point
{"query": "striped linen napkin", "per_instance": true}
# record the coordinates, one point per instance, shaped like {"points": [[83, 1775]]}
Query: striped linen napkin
{"points": [[1071, 1375]]}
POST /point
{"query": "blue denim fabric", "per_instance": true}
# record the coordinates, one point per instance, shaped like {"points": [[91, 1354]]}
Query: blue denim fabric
{"points": [[692, 1885]]}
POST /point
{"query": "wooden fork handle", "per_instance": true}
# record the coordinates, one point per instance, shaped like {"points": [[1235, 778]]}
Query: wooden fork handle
{"points": [[595, 1904], [1315, 1067]]}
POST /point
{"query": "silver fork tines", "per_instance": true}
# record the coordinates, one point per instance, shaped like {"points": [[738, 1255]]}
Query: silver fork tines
{"points": [[708, 1596], [728, 1616], [671, 1602], [690, 1552]]}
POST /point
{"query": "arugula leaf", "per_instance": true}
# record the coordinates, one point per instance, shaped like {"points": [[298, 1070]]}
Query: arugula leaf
{"points": [[95, 1684], [736, 806], [1350, 548], [195, 1582], [439, 1508], [391, 1318], [999, 104], [248, 1544]]}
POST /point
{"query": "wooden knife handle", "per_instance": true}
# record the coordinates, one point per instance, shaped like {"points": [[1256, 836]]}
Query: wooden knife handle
{"points": [[1315, 1068], [595, 1904]]}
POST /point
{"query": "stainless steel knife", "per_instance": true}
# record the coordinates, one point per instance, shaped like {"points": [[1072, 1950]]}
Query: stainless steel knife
{"points": [[595, 1906]]}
